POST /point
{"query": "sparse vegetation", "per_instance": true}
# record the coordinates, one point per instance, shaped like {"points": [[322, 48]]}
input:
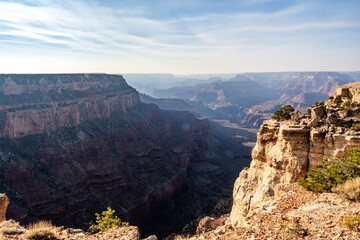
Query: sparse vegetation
{"points": [[107, 220], [10, 227], [349, 190], [316, 104], [320, 105], [338, 101], [356, 127], [283, 113], [331, 98], [294, 229], [182, 237], [329, 173], [42, 230], [351, 222]]}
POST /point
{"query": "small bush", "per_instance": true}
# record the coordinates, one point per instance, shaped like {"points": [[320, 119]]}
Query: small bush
{"points": [[351, 222], [107, 220], [349, 190], [283, 113], [338, 100], [329, 173], [356, 127], [331, 98], [294, 229], [42, 230]]}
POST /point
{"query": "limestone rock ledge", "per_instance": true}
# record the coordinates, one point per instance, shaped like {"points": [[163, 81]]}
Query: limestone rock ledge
{"points": [[283, 153]]}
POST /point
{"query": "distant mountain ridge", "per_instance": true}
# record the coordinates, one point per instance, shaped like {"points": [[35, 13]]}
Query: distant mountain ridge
{"points": [[250, 98]]}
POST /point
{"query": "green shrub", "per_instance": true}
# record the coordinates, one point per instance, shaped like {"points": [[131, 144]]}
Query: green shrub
{"points": [[351, 222], [316, 104], [107, 220], [329, 173], [331, 98], [294, 229], [338, 101], [283, 113], [356, 127]]}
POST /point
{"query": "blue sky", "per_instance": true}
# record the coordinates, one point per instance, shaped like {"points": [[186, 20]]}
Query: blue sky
{"points": [[181, 37]]}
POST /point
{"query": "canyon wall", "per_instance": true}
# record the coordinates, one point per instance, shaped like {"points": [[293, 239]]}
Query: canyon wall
{"points": [[285, 150], [73, 144]]}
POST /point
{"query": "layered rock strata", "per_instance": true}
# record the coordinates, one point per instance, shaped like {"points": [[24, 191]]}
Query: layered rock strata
{"points": [[73, 144], [285, 150]]}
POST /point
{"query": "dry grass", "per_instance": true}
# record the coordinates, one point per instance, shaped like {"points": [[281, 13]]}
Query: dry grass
{"points": [[182, 237], [10, 227], [351, 222], [349, 190], [42, 230]]}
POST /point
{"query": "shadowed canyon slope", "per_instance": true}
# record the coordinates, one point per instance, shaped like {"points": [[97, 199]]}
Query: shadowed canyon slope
{"points": [[73, 144]]}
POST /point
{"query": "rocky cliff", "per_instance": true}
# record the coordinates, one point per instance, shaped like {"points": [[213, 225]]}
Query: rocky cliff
{"points": [[285, 150], [73, 144], [268, 203]]}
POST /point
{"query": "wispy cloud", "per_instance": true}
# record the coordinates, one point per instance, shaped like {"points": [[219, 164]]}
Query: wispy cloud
{"points": [[92, 27]]}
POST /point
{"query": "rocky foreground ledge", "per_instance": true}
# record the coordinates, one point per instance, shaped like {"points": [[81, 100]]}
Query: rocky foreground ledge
{"points": [[293, 213], [12, 230]]}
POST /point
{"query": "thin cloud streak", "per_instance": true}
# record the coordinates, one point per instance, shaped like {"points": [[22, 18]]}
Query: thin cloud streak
{"points": [[92, 28]]}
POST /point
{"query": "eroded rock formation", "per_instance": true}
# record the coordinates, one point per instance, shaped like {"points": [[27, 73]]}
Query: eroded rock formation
{"points": [[73, 144], [285, 150]]}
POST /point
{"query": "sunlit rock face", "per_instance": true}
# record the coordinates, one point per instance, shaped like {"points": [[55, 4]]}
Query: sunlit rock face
{"points": [[73, 144], [285, 150]]}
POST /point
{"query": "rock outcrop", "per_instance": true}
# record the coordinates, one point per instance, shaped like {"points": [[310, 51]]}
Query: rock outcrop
{"points": [[73, 144], [350, 92], [294, 214], [285, 150], [4, 202]]}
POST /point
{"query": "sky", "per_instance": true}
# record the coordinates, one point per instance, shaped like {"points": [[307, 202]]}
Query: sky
{"points": [[179, 36]]}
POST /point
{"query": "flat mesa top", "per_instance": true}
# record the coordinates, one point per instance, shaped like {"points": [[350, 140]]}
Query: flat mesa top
{"points": [[351, 85]]}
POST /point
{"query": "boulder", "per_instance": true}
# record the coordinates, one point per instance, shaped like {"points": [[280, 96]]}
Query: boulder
{"points": [[317, 112], [296, 116], [313, 122], [343, 114], [332, 118]]}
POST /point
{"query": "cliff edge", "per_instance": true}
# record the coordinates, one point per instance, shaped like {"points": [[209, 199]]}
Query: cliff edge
{"points": [[285, 150], [268, 202]]}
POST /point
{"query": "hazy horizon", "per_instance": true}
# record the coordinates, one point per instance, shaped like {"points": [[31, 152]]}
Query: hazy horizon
{"points": [[181, 38]]}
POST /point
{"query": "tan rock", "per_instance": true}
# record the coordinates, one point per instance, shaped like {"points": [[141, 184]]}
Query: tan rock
{"points": [[4, 202], [282, 155], [350, 92]]}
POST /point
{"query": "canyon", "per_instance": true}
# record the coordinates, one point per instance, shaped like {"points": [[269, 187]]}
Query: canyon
{"points": [[268, 202], [250, 98], [74, 144]]}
